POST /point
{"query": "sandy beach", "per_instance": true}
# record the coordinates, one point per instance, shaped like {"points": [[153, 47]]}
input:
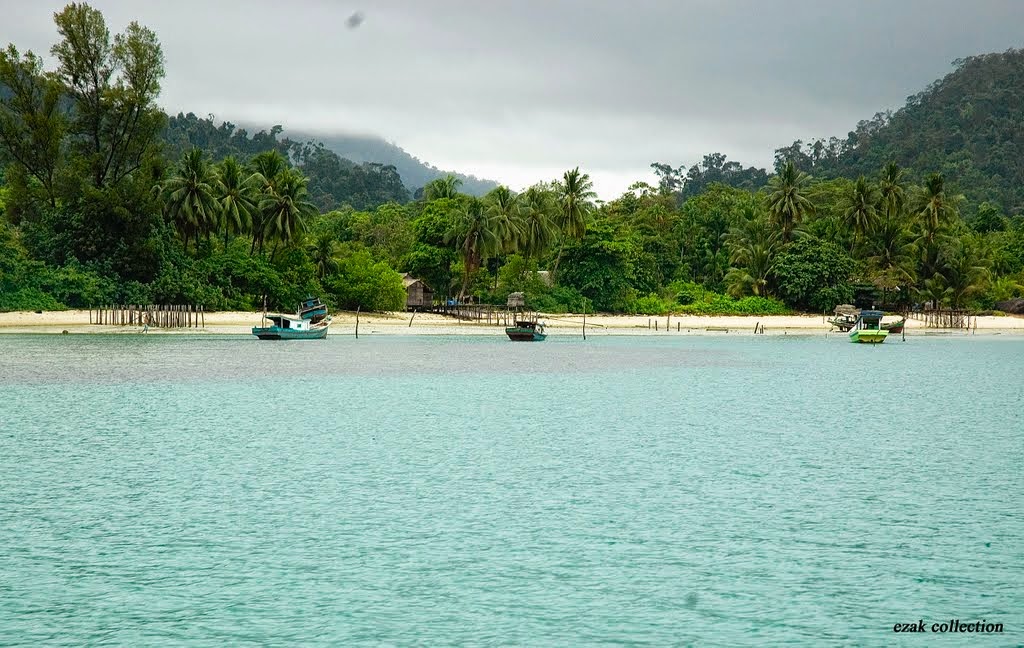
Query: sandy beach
{"points": [[344, 323]]}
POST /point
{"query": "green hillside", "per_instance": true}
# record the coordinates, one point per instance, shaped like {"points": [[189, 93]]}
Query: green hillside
{"points": [[969, 126]]}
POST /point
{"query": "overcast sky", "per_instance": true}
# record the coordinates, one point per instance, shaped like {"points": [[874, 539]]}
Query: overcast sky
{"points": [[520, 90]]}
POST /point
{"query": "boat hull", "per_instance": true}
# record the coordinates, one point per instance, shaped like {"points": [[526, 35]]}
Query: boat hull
{"points": [[895, 327], [524, 335], [278, 333], [868, 336]]}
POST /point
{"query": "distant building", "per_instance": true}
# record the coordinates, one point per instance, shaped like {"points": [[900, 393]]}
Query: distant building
{"points": [[417, 293]]}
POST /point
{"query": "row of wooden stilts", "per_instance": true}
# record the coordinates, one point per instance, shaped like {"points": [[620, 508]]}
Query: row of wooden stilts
{"points": [[154, 315]]}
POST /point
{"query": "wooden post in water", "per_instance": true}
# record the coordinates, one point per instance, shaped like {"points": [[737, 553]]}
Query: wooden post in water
{"points": [[202, 315], [668, 321], [357, 321], [412, 318], [584, 320]]}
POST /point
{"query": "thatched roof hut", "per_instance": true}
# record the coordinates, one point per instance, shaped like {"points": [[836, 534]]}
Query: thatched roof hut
{"points": [[516, 300]]}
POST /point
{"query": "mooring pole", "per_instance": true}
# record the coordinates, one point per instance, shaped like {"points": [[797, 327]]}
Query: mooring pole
{"points": [[357, 321]]}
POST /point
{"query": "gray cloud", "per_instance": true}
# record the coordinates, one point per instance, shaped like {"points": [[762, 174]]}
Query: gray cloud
{"points": [[521, 90]]}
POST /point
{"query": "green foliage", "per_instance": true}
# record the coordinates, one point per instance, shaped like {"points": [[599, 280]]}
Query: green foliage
{"points": [[814, 275], [359, 281], [716, 304]]}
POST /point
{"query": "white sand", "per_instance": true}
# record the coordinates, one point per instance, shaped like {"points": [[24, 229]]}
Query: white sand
{"points": [[240, 323]]}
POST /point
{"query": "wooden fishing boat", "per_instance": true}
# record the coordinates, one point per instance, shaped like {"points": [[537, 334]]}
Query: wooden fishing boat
{"points": [[288, 327], [310, 322], [868, 328], [895, 327], [312, 309], [844, 317], [526, 331], [843, 322]]}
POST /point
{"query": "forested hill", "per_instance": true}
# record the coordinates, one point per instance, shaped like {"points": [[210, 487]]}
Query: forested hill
{"points": [[415, 173], [360, 171], [969, 126]]}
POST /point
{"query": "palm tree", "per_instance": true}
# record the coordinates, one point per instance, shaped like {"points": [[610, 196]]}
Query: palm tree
{"points": [[890, 250], [477, 238], [446, 187], [892, 191], [964, 274], [787, 199], [934, 206], [538, 226], [322, 251], [505, 209], [859, 210], [575, 194], [190, 196], [267, 169], [238, 195], [754, 246], [287, 208]]}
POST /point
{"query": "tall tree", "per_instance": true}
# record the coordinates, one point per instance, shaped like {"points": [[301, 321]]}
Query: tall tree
{"points": [[753, 246], [934, 207], [538, 226], [113, 85], [787, 199], [859, 211], [237, 191], [287, 208], [575, 202], [190, 196], [31, 122], [267, 168], [477, 238], [892, 190], [446, 187]]}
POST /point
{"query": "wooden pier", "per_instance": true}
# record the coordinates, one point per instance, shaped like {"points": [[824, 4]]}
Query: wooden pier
{"points": [[482, 313], [149, 315]]}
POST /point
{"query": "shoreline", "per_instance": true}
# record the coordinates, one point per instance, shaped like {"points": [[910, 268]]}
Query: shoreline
{"points": [[398, 323]]}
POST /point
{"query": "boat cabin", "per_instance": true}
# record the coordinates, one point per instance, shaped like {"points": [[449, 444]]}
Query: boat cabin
{"points": [[288, 322], [870, 320]]}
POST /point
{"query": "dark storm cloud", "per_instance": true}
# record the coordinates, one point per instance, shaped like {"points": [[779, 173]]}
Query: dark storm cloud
{"points": [[521, 90]]}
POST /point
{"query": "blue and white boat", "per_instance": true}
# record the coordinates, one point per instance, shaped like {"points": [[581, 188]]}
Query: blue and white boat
{"points": [[310, 322]]}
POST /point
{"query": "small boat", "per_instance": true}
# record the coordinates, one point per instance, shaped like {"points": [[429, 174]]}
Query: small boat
{"points": [[310, 322], [312, 309], [526, 331], [288, 327], [895, 327], [868, 328], [844, 317], [843, 322]]}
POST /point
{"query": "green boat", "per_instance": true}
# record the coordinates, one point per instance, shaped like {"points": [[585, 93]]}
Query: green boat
{"points": [[868, 328], [526, 331]]}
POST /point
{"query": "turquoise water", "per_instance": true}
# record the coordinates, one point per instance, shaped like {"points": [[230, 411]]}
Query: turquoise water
{"points": [[398, 490]]}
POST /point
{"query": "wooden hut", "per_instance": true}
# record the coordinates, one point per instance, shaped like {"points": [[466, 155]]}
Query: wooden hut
{"points": [[417, 293], [516, 300]]}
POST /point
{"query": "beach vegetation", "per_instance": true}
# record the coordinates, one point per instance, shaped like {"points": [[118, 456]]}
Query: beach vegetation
{"points": [[107, 199]]}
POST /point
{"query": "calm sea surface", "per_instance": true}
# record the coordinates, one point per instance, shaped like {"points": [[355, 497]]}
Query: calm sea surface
{"points": [[398, 490]]}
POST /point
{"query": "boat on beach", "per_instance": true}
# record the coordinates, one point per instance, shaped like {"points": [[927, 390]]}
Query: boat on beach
{"points": [[526, 331], [895, 327], [868, 328], [310, 322], [844, 317]]}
